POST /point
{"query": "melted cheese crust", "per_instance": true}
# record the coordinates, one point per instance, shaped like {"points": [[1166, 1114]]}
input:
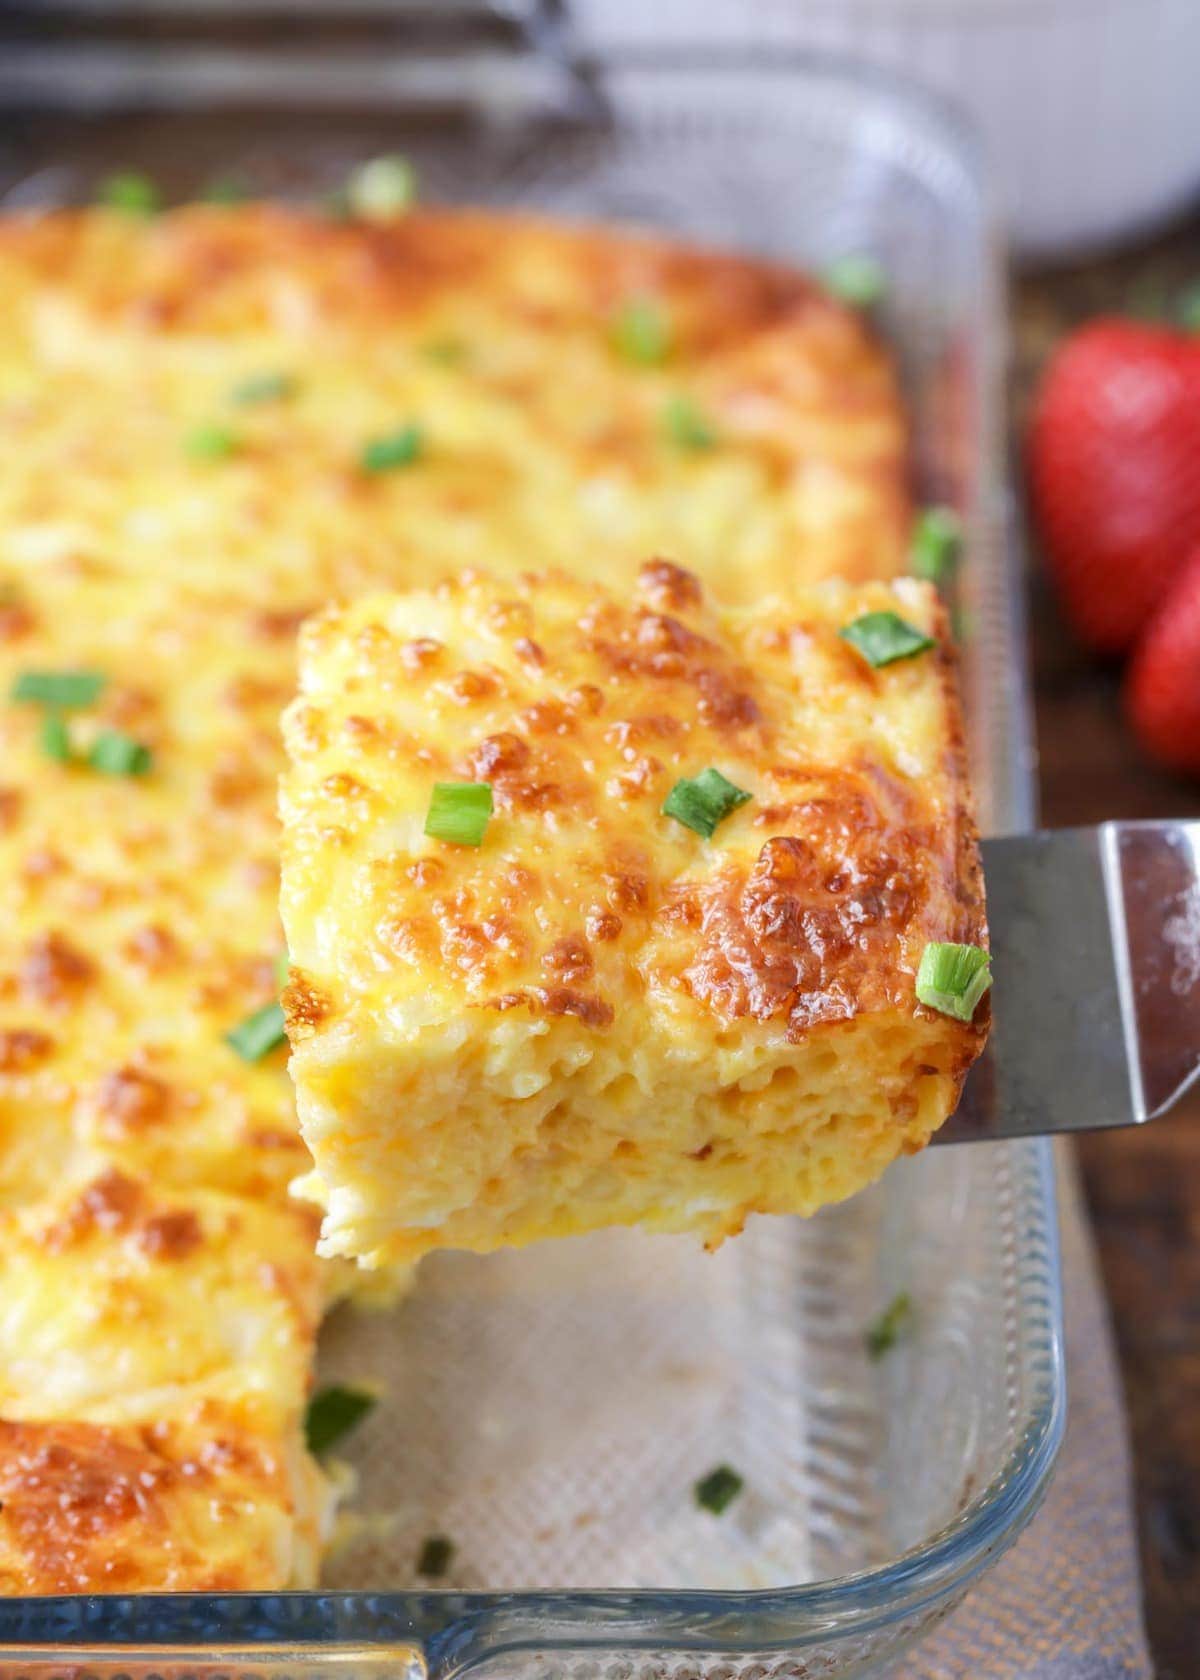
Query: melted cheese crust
{"points": [[161, 1321], [598, 1016], [120, 1302], [541, 444], [138, 916], [213, 1500]]}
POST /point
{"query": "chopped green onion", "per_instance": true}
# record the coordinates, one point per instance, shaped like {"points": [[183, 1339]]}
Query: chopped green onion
{"points": [[1188, 311], [686, 425], [258, 1034], [936, 543], [894, 1321], [953, 978], [263, 387], [65, 690], [119, 755], [395, 449], [384, 187], [134, 193], [447, 352], [718, 1490], [283, 964], [459, 812], [332, 1413], [211, 443], [1148, 300], [642, 332], [701, 802], [56, 738], [436, 1556], [225, 189], [858, 280], [884, 637]]}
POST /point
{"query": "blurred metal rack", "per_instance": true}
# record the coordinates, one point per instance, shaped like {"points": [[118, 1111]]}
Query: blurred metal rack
{"points": [[92, 57]]}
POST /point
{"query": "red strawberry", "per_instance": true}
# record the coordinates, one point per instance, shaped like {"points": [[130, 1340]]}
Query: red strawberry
{"points": [[1115, 471], [1162, 690]]}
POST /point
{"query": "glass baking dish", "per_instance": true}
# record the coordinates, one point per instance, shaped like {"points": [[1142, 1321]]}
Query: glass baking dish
{"points": [[550, 1411]]}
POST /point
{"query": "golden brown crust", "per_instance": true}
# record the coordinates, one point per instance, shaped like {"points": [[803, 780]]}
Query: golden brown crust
{"points": [[139, 922], [598, 1015], [540, 428], [848, 865], [203, 267], [130, 1098], [198, 1504], [304, 1007], [812, 928], [109, 1205]]}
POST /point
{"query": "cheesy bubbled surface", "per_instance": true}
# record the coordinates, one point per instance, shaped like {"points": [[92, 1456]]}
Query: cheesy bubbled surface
{"points": [[212, 421], [597, 1015]]}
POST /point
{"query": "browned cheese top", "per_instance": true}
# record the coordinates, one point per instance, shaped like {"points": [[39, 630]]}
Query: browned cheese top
{"points": [[811, 903]]}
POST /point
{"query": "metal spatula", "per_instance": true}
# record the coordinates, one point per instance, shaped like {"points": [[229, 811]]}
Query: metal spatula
{"points": [[1096, 992]]}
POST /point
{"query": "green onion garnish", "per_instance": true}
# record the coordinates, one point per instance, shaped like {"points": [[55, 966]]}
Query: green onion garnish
{"points": [[119, 755], [334, 1412], [701, 802], [718, 1490], [131, 192], [283, 963], [953, 978], [1187, 312], [263, 387], [686, 425], [395, 449], [858, 280], [211, 443], [459, 812], [65, 690], [435, 1556], [936, 541], [446, 352], [225, 189], [642, 332], [384, 187], [56, 738], [884, 637], [258, 1034], [894, 1321]]}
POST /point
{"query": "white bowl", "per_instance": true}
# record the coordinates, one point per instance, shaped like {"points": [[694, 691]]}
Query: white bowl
{"points": [[1088, 108]]}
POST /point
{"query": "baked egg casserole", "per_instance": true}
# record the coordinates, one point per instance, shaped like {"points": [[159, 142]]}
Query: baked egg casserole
{"points": [[212, 422], [607, 907]]}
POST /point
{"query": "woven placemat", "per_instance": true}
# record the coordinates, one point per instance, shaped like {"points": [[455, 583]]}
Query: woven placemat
{"points": [[1065, 1604]]}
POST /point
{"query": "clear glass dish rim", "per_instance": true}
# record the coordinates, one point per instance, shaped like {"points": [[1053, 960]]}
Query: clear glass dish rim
{"points": [[460, 1629], [466, 1626]]}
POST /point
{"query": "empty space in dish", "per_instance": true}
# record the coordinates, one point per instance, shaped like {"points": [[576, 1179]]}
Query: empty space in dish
{"points": [[549, 1410]]}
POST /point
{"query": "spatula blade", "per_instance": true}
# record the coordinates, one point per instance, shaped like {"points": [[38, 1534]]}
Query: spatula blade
{"points": [[1096, 994]]}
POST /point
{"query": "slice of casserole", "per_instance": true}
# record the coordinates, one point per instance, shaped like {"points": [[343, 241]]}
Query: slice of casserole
{"points": [[154, 1353], [671, 978]]}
